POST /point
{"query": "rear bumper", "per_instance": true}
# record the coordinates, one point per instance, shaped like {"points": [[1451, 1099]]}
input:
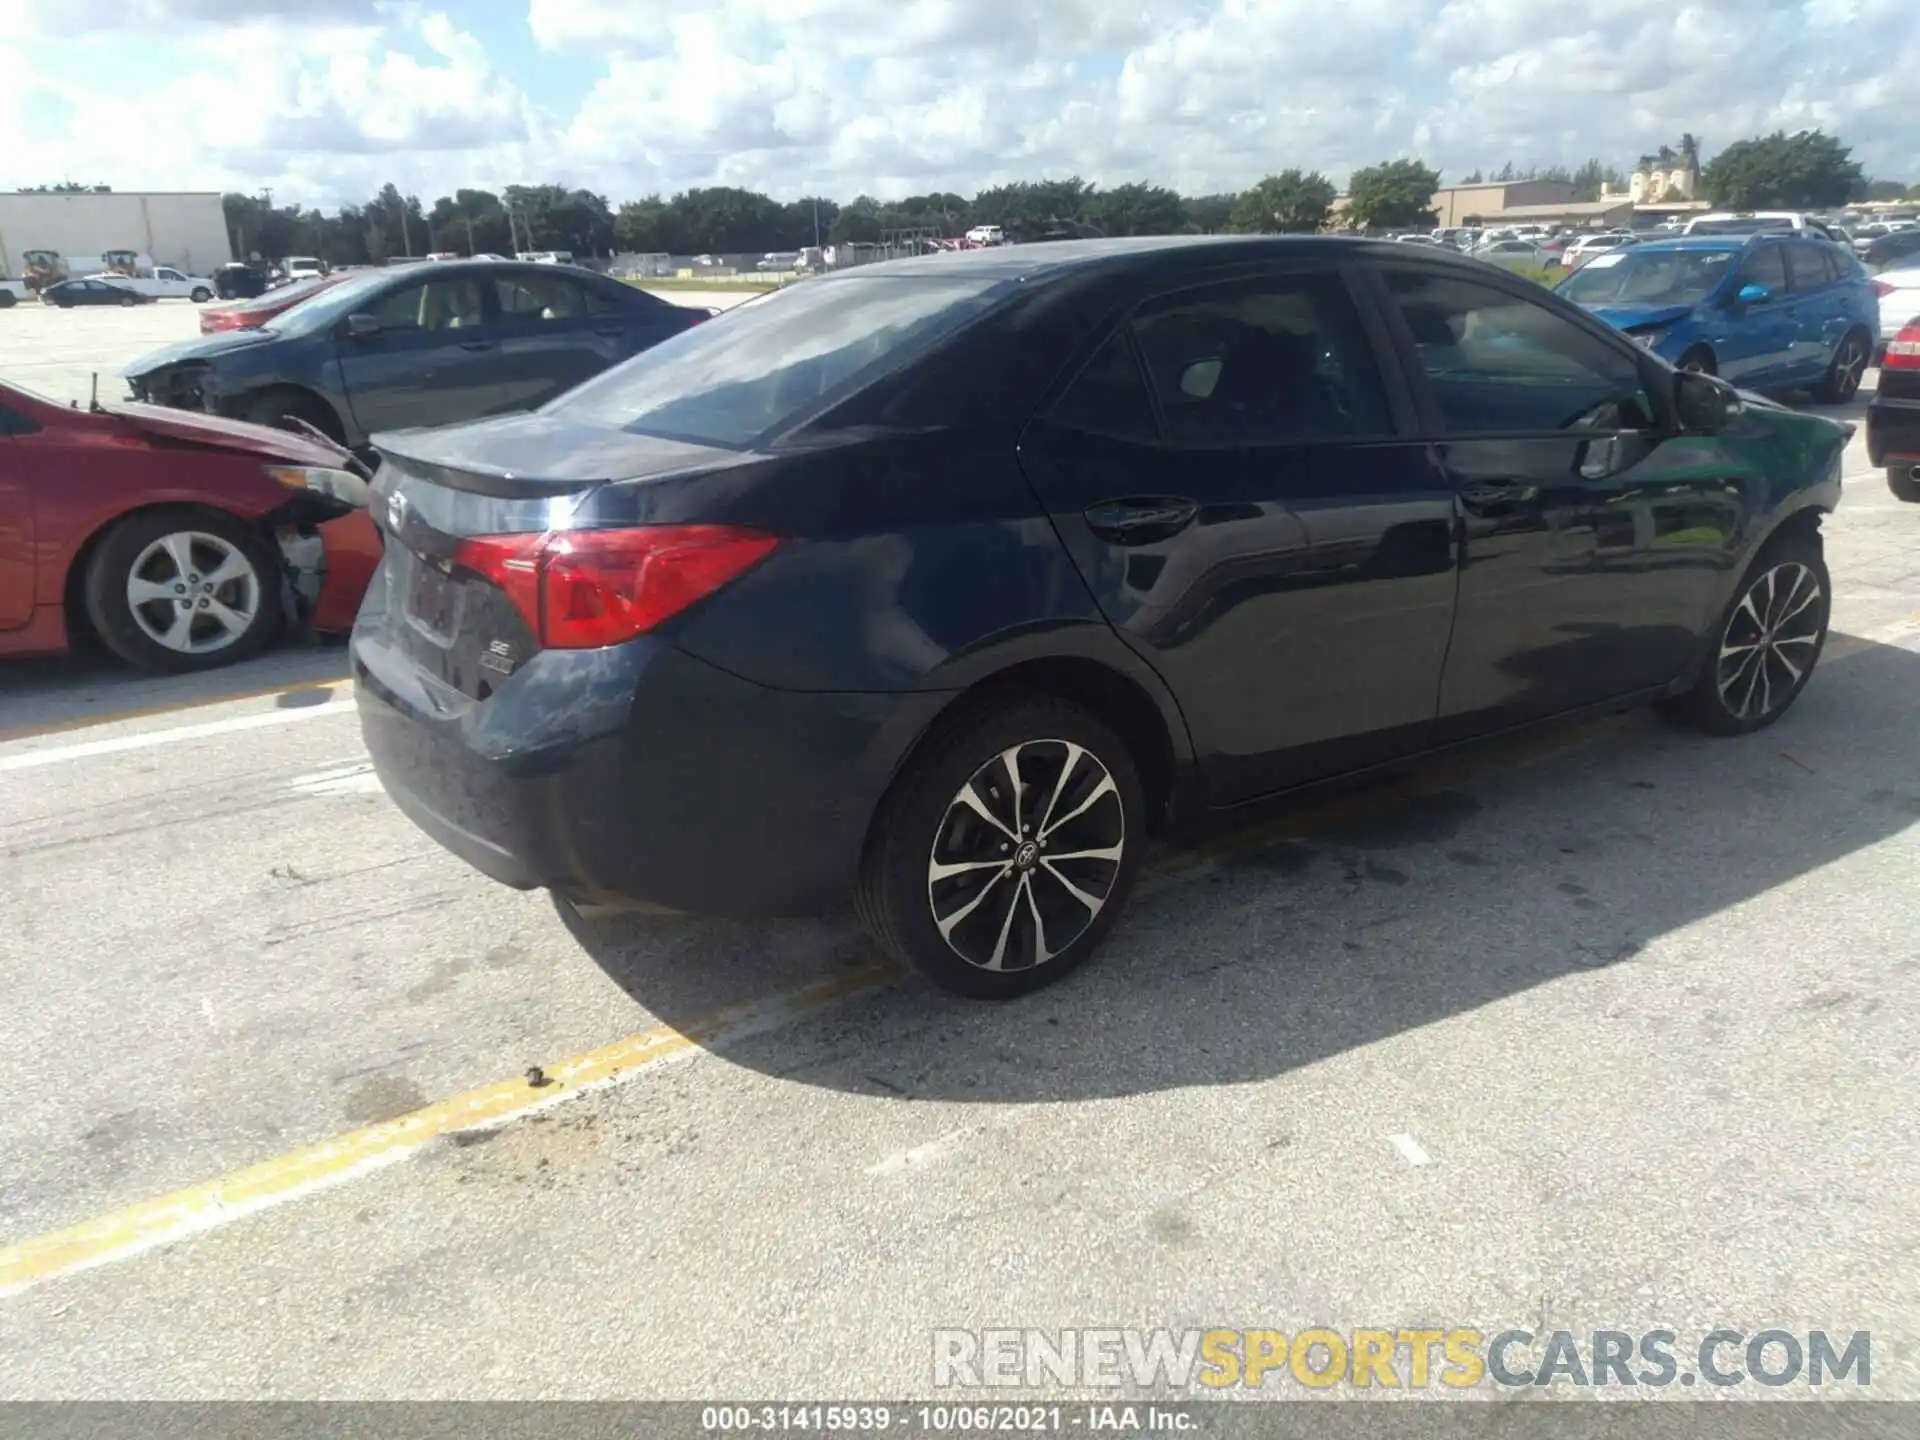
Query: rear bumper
{"points": [[639, 774], [1893, 431]]}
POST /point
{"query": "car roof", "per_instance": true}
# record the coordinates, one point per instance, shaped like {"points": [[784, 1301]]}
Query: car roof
{"points": [[1061, 257]]}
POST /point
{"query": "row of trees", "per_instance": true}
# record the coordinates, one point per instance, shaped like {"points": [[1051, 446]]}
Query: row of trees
{"points": [[1809, 170]]}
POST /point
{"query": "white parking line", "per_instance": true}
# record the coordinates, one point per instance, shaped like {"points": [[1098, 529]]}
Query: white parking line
{"points": [[86, 750]]}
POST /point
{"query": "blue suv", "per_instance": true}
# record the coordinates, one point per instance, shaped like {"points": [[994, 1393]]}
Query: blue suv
{"points": [[1765, 312]]}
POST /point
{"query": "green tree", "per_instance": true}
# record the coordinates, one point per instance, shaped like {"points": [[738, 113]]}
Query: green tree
{"points": [[1478, 177], [1292, 202], [1807, 171], [1135, 209], [1207, 214], [857, 223], [1883, 190], [1397, 193]]}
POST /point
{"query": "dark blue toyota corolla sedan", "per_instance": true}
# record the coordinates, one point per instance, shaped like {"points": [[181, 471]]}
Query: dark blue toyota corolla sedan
{"points": [[947, 582]]}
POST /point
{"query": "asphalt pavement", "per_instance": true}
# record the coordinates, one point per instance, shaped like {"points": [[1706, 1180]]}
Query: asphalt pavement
{"points": [[1607, 1030]]}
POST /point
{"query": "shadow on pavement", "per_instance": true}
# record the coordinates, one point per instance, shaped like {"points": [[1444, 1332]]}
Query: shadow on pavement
{"points": [[1330, 927], [54, 692]]}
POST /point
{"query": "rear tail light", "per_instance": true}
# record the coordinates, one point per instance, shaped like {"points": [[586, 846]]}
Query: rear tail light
{"points": [[581, 589], [1903, 351], [1882, 289]]}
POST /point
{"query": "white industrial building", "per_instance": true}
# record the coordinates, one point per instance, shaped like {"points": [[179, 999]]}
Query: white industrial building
{"points": [[183, 228]]}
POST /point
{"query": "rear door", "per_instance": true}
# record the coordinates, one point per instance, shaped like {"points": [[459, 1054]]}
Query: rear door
{"points": [[1229, 476], [558, 331], [437, 357], [16, 524], [1820, 307]]}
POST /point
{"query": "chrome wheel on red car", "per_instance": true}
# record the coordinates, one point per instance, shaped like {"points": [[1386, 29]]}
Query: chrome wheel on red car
{"points": [[183, 590], [193, 592]]}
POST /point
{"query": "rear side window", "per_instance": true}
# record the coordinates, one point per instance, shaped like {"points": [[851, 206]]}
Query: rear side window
{"points": [[1813, 266], [1109, 397], [1272, 363], [1497, 363], [542, 297], [768, 364]]}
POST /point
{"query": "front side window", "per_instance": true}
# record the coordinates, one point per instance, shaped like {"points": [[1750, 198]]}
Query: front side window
{"points": [[1498, 363], [1766, 266], [432, 305], [1279, 362]]}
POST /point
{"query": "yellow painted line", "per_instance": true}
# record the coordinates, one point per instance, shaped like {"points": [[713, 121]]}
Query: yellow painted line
{"points": [[150, 1224], [148, 712]]}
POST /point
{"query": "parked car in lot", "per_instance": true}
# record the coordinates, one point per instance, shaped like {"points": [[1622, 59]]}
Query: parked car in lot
{"points": [[163, 282], [1770, 311], [795, 605], [1898, 247], [252, 314], [1893, 415], [181, 541], [68, 293], [1583, 249], [1517, 254], [1899, 298], [14, 292], [424, 345]]}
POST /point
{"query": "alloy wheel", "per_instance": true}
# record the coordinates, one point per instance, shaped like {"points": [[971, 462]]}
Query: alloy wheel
{"points": [[1026, 855], [1770, 641], [193, 592], [1849, 366]]}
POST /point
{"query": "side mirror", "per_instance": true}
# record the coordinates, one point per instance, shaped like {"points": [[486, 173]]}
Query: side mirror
{"points": [[1753, 294], [1704, 404], [360, 326]]}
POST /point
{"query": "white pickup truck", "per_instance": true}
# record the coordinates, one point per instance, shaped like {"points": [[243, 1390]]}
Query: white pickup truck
{"points": [[13, 292], [162, 282]]}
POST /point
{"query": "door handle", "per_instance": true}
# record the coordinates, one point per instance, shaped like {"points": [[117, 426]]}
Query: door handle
{"points": [[1142, 521], [1497, 495], [476, 344]]}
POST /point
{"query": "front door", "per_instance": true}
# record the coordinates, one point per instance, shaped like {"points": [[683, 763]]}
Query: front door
{"points": [[1756, 337], [1595, 537], [1229, 477], [16, 525], [435, 358]]}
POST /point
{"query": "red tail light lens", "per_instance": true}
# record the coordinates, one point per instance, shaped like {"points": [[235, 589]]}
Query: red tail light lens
{"points": [[581, 589], [1903, 351], [1882, 289]]}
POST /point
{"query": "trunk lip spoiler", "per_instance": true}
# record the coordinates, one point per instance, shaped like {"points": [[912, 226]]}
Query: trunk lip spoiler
{"points": [[495, 483]]}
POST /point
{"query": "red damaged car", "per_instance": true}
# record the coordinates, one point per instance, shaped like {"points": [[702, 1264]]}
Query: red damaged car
{"points": [[252, 314], [183, 541]]}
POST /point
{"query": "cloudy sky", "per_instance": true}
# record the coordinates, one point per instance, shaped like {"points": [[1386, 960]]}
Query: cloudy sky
{"points": [[324, 100]]}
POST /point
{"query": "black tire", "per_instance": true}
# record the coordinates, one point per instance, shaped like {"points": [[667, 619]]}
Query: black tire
{"points": [[200, 295], [1722, 700], [1063, 754], [1844, 372], [7, 298], [129, 299], [274, 406], [1700, 358], [129, 544], [1904, 482]]}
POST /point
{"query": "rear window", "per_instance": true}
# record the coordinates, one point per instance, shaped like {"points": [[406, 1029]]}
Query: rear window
{"points": [[761, 368]]}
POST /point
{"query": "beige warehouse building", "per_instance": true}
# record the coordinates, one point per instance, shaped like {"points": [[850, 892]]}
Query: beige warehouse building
{"points": [[182, 228]]}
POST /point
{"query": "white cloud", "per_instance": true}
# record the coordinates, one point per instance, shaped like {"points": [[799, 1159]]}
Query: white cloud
{"points": [[327, 99]]}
